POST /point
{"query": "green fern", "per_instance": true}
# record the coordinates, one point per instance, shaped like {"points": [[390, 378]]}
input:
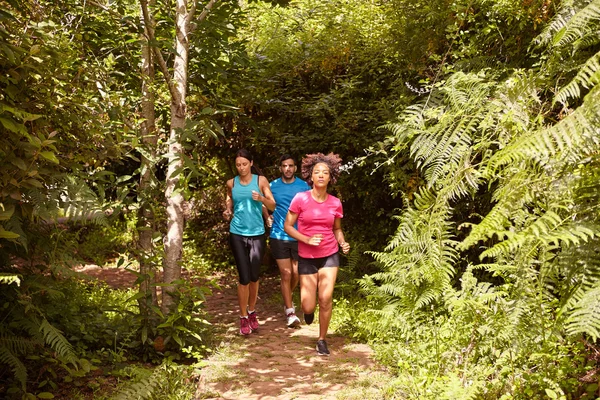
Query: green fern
{"points": [[55, 339], [582, 23], [144, 389], [167, 381], [585, 317], [17, 345], [570, 140], [419, 259], [17, 366], [550, 229], [588, 76]]}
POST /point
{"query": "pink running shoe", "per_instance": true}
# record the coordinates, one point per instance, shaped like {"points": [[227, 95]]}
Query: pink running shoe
{"points": [[253, 321], [245, 326]]}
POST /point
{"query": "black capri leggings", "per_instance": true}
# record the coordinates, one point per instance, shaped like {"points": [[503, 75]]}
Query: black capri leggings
{"points": [[248, 253]]}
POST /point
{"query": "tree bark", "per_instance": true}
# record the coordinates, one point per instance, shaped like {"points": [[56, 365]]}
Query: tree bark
{"points": [[149, 139], [173, 240]]}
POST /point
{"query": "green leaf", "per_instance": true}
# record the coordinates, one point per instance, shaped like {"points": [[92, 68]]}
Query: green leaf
{"points": [[551, 394], [6, 212], [19, 163], [34, 183], [13, 126], [123, 178], [50, 156], [8, 234], [45, 395]]}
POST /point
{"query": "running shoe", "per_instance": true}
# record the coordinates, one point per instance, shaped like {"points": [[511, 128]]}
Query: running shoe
{"points": [[309, 318], [322, 349], [253, 321], [245, 326], [292, 320]]}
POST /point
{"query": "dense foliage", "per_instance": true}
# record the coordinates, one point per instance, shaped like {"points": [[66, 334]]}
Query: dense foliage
{"points": [[469, 134]]}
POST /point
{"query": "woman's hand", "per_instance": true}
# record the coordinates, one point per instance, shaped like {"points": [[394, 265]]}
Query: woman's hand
{"points": [[256, 196], [315, 240], [227, 214], [345, 247]]}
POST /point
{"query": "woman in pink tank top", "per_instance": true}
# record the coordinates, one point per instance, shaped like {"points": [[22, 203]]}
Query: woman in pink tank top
{"points": [[320, 237]]}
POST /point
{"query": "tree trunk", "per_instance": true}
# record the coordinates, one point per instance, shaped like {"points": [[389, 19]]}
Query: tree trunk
{"points": [[149, 140], [174, 238], [177, 84]]}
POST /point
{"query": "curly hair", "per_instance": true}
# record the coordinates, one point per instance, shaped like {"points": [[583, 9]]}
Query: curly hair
{"points": [[333, 162]]}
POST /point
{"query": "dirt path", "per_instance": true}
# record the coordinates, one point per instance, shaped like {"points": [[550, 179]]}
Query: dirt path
{"points": [[278, 362]]}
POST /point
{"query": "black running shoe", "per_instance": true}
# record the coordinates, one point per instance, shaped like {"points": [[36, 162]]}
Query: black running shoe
{"points": [[309, 318], [322, 349]]}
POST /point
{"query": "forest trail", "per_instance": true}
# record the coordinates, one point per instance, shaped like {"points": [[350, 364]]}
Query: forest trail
{"points": [[276, 362]]}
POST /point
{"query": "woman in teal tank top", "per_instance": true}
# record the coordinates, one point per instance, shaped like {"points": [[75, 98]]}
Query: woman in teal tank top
{"points": [[246, 194]]}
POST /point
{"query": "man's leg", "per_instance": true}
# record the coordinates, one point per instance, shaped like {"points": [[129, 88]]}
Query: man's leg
{"points": [[286, 271]]}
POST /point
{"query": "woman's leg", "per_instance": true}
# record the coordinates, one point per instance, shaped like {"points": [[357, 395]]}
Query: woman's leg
{"points": [[308, 293], [243, 292], [255, 256], [252, 295], [242, 261], [326, 282]]}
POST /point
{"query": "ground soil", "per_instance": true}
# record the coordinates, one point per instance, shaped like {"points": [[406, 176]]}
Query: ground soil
{"points": [[276, 362]]}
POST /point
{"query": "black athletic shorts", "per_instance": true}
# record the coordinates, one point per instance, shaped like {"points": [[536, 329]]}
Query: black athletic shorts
{"points": [[248, 252], [309, 266], [282, 249]]}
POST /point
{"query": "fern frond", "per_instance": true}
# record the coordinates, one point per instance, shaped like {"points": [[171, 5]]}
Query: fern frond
{"points": [[575, 136], [587, 76], [549, 229], [577, 26], [418, 264], [144, 388], [586, 315], [558, 23], [522, 187], [587, 41], [17, 366], [576, 271], [82, 203], [16, 344], [55, 339]]}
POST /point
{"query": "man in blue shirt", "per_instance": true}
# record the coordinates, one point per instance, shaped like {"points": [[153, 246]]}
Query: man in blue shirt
{"points": [[283, 247]]}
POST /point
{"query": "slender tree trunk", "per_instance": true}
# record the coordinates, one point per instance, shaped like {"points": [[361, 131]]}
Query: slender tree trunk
{"points": [[149, 140], [174, 238]]}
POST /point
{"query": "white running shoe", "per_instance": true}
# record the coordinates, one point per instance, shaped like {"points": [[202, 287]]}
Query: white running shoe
{"points": [[292, 320]]}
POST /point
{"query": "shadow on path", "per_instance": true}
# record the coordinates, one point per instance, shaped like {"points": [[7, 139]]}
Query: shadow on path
{"points": [[276, 362]]}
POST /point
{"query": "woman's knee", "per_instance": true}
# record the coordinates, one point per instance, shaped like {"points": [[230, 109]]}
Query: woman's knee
{"points": [[325, 302]]}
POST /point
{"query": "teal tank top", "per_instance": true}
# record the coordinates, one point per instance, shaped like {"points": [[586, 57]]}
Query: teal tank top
{"points": [[247, 213]]}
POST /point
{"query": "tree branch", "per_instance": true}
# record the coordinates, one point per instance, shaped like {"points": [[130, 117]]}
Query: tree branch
{"points": [[203, 14], [159, 58]]}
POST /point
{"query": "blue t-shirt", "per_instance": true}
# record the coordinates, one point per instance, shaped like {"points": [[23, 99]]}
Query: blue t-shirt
{"points": [[247, 213], [283, 194]]}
